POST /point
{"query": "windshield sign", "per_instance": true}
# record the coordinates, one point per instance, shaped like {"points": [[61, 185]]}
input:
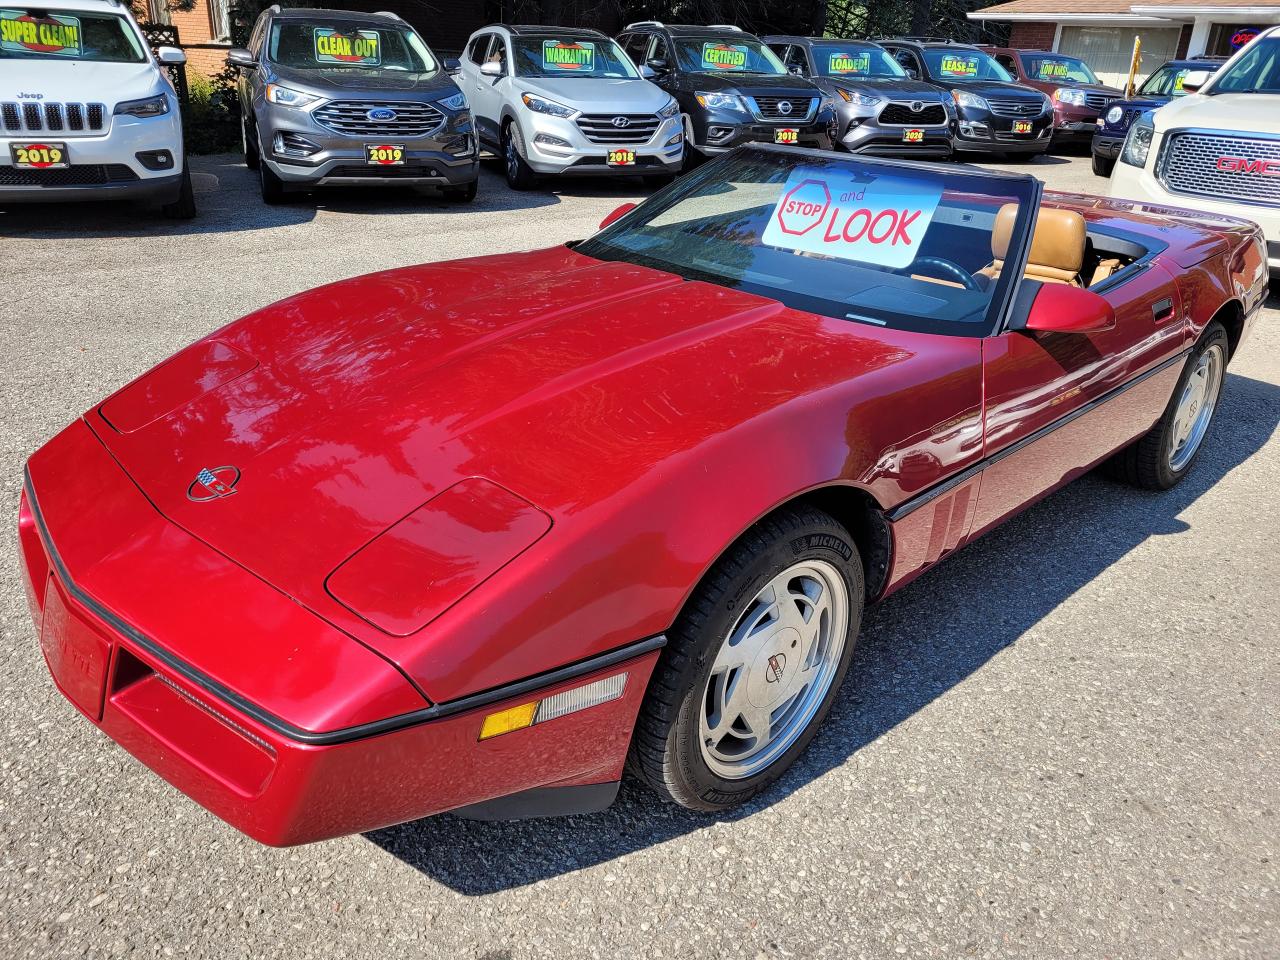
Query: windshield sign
{"points": [[724, 56], [953, 65], [856, 62], [1059, 69], [33, 33], [841, 62], [50, 34], [360, 47], [571, 56]]}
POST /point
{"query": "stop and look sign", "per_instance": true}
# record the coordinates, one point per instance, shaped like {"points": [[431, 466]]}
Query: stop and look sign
{"points": [[864, 217]]}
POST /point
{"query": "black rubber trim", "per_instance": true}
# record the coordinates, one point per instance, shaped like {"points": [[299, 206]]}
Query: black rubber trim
{"points": [[927, 496], [437, 711], [543, 802]]}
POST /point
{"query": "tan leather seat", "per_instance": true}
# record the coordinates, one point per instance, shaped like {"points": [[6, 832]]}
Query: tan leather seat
{"points": [[1057, 248]]}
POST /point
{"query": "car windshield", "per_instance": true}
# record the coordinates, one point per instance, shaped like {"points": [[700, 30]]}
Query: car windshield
{"points": [[32, 33], [854, 61], [726, 55], [891, 244], [962, 65], [330, 44], [1165, 82], [1055, 68], [560, 56], [1256, 71]]}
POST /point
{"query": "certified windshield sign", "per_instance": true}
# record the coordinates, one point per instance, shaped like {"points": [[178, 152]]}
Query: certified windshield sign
{"points": [[360, 48], [850, 63], [568, 56], [20, 32], [957, 66], [861, 216], [724, 56]]}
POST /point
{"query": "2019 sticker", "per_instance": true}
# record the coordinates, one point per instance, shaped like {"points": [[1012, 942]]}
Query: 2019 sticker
{"points": [[572, 56], [860, 216], [848, 63], [361, 47], [724, 56], [51, 34]]}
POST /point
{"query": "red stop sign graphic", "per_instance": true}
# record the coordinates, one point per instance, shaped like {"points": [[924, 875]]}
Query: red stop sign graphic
{"points": [[803, 207]]}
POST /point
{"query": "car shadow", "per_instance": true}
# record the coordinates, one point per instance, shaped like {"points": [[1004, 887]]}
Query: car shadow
{"points": [[914, 647]]}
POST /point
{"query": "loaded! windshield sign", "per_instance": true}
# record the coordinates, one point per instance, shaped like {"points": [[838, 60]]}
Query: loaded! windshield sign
{"points": [[360, 48], [20, 32], [570, 57], [724, 56], [850, 63], [859, 216]]}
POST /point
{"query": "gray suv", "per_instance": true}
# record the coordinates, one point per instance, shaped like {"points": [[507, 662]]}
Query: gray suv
{"points": [[344, 98]]}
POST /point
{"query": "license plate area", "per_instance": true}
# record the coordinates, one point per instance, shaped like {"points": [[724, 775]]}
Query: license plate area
{"points": [[786, 135], [76, 653], [913, 136], [621, 158], [40, 155], [384, 154], [1022, 126]]}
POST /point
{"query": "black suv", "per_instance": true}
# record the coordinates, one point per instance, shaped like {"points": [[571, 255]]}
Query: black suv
{"points": [[993, 114], [730, 87]]}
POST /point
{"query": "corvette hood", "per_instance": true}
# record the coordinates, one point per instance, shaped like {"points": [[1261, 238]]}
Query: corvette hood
{"points": [[334, 414]]}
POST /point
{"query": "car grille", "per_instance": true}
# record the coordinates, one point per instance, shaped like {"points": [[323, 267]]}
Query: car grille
{"points": [[901, 114], [84, 175], [383, 173], [1009, 107], [53, 117], [1130, 115], [770, 108], [602, 128], [350, 117], [1189, 163], [1099, 101]]}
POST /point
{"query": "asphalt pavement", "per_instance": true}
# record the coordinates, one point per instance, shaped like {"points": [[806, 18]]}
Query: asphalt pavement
{"points": [[1060, 743]]}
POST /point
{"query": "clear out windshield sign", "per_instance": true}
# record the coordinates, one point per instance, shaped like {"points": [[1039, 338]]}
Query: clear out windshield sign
{"points": [[51, 34], [724, 56], [861, 216], [360, 47], [570, 56], [850, 63]]}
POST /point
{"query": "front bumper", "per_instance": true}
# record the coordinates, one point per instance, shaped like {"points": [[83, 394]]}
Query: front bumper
{"points": [[869, 137], [227, 711], [1105, 145], [993, 134], [576, 154], [719, 131], [1073, 124]]}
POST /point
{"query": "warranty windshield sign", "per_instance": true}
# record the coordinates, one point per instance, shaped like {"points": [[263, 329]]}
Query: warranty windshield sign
{"points": [[856, 215], [20, 32]]}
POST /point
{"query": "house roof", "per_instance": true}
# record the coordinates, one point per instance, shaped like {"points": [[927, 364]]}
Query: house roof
{"points": [[1077, 8]]}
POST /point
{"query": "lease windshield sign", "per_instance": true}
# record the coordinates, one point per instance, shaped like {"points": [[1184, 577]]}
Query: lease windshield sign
{"points": [[849, 63], [360, 47], [20, 32], [559, 55], [859, 216], [954, 65], [724, 56]]}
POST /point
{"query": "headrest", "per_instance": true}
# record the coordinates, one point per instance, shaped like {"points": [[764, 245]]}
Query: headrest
{"points": [[1058, 242]]}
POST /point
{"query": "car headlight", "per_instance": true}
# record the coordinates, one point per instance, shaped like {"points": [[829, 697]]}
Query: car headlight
{"points": [[1069, 95], [549, 107], [719, 101], [826, 103], [288, 97], [1137, 143], [1115, 115], [971, 100], [857, 99], [156, 106], [670, 110], [457, 102]]}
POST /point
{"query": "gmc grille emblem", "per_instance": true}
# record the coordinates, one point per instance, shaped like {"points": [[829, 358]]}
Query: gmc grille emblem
{"points": [[1264, 168]]}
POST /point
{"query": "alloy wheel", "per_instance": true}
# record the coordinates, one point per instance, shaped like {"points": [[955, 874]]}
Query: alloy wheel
{"points": [[1195, 407]]}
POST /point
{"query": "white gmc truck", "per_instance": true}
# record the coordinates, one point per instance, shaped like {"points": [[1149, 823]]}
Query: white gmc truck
{"points": [[1217, 150]]}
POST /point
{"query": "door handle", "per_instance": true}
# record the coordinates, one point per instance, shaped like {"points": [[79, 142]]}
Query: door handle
{"points": [[1162, 310]]}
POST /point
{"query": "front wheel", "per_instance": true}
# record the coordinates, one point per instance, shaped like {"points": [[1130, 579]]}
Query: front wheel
{"points": [[752, 664], [520, 175], [184, 206], [273, 192], [1102, 166], [249, 145], [464, 194]]}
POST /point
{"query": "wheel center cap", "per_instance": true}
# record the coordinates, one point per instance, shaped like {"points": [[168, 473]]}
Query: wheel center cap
{"points": [[774, 667]]}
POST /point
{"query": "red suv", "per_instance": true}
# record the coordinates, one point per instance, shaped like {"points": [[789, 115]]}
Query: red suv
{"points": [[1078, 96]]}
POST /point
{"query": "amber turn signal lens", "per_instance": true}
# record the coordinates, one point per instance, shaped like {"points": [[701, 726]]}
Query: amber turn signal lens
{"points": [[505, 721]]}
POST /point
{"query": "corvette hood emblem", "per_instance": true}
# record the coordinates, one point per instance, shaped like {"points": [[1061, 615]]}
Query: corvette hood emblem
{"points": [[213, 484]]}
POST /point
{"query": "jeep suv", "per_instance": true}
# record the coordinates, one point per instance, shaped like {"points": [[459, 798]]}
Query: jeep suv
{"points": [[879, 109], [554, 100], [993, 114], [87, 112], [335, 97], [730, 87]]}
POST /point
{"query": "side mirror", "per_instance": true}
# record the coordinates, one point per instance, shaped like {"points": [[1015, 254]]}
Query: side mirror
{"points": [[796, 70], [491, 68], [618, 214], [912, 72], [170, 56], [452, 65], [1062, 308], [1194, 80], [239, 57], [646, 71], [657, 66]]}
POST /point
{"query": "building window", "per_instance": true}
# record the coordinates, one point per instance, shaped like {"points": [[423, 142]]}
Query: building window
{"points": [[220, 19]]}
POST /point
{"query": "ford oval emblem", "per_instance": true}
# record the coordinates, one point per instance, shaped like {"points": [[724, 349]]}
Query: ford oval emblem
{"points": [[380, 115]]}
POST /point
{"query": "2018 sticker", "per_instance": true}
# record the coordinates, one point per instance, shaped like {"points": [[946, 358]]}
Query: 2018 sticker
{"points": [[360, 47], [724, 56], [51, 34], [570, 56], [848, 63], [860, 216], [957, 66]]}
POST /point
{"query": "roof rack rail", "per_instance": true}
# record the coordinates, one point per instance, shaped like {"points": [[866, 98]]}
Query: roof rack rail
{"points": [[920, 39], [388, 13], [724, 26], [645, 23]]}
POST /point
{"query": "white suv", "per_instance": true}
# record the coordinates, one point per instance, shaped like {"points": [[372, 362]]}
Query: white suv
{"points": [[1217, 150], [86, 111]]}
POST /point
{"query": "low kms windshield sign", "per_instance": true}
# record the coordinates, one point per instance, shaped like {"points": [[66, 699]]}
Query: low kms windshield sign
{"points": [[22, 33], [860, 216], [558, 55], [724, 56], [361, 47]]}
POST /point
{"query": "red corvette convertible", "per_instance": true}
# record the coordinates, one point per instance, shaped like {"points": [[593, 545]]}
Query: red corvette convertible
{"points": [[473, 535]]}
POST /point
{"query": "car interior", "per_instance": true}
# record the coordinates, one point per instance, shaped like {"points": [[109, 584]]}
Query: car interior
{"points": [[1063, 249]]}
